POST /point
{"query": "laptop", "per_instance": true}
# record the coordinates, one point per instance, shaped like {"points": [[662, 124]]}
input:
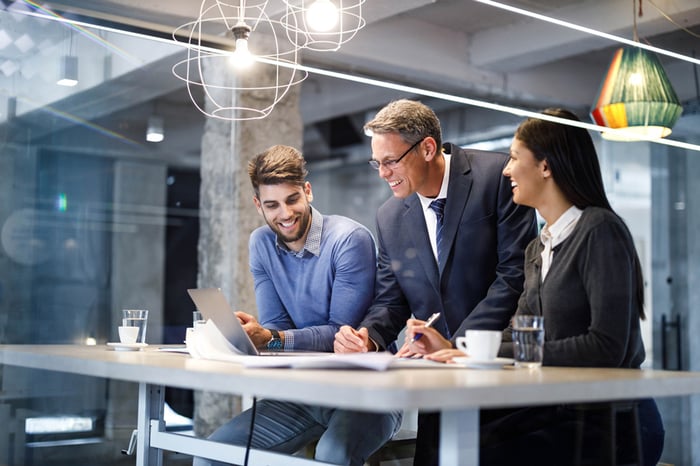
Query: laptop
{"points": [[213, 305]]}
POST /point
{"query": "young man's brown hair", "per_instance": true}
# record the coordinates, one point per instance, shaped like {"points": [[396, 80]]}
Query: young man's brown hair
{"points": [[278, 164]]}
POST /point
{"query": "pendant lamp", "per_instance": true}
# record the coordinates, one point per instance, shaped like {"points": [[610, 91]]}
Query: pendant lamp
{"points": [[637, 96]]}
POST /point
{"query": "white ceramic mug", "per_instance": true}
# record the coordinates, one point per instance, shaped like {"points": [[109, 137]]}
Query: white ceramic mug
{"points": [[481, 345], [128, 335]]}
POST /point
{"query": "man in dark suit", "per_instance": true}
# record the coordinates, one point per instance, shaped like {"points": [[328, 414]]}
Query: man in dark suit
{"points": [[461, 256]]}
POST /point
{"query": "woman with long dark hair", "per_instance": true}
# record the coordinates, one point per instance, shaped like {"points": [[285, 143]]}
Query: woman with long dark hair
{"points": [[584, 276]]}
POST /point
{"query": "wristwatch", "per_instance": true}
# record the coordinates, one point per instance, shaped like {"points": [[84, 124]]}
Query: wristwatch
{"points": [[275, 342]]}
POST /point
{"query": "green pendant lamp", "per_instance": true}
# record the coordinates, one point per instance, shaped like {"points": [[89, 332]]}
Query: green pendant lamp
{"points": [[637, 96]]}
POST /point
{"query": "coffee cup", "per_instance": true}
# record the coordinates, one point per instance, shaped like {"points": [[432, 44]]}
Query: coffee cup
{"points": [[128, 335], [480, 345]]}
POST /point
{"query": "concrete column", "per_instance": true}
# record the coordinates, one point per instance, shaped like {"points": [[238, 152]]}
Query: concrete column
{"points": [[227, 214]]}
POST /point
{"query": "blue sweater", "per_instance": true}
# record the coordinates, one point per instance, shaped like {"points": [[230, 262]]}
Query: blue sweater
{"points": [[311, 294]]}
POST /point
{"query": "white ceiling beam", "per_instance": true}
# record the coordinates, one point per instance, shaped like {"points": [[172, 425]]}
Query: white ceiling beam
{"points": [[530, 42]]}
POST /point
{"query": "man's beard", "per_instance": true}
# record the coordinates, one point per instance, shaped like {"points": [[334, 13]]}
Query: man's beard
{"points": [[304, 221]]}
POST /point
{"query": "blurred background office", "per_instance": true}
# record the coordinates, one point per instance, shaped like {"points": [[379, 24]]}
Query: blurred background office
{"points": [[123, 180]]}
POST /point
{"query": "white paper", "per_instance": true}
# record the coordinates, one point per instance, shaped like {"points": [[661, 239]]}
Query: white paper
{"points": [[206, 342]]}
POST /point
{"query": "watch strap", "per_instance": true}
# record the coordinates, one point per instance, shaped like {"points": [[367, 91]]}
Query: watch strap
{"points": [[275, 342]]}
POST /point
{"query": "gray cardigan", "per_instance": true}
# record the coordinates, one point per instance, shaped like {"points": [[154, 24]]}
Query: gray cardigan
{"points": [[588, 296]]}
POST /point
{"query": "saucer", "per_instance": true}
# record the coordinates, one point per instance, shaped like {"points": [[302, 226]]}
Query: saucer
{"points": [[118, 346], [495, 363]]}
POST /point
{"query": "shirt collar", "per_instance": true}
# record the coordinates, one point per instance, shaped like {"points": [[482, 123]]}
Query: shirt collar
{"points": [[425, 201], [313, 238], [562, 227]]}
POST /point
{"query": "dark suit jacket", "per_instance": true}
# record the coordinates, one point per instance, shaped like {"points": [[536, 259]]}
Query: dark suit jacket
{"points": [[481, 279]]}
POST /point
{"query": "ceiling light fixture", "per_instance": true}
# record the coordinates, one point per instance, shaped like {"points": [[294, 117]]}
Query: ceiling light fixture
{"points": [[241, 57], [156, 130], [636, 95], [69, 71], [322, 15], [68, 76], [242, 22], [322, 25]]}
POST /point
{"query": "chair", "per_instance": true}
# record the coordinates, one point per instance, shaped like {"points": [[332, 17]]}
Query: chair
{"points": [[402, 445], [613, 413]]}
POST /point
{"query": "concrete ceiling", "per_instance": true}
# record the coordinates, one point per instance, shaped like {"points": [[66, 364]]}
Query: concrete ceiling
{"points": [[459, 47]]}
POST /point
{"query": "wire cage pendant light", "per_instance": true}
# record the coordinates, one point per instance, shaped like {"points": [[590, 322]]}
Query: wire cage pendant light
{"points": [[240, 22], [322, 25], [270, 42], [636, 95]]}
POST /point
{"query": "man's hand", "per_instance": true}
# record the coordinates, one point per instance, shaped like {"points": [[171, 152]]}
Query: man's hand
{"points": [[257, 333], [349, 340]]}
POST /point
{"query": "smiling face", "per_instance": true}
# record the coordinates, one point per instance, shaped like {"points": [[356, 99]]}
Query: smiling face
{"points": [[287, 210], [528, 176], [414, 173]]}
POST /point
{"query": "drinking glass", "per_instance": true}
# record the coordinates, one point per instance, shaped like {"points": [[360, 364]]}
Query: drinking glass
{"points": [[528, 340]]}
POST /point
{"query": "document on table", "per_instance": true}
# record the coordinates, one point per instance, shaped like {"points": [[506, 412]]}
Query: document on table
{"points": [[375, 361], [210, 344]]}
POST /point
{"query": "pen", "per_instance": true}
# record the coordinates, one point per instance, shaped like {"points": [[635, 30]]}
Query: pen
{"points": [[428, 323]]}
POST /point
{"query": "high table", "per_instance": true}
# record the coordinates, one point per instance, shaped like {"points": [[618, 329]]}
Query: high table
{"points": [[458, 394]]}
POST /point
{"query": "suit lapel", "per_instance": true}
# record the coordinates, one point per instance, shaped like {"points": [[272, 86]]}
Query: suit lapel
{"points": [[414, 224], [457, 197]]}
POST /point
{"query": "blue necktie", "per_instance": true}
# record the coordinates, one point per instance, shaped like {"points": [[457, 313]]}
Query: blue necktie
{"points": [[438, 206]]}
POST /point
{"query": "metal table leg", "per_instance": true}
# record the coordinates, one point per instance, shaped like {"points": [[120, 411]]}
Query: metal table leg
{"points": [[151, 399], [459, 437]]}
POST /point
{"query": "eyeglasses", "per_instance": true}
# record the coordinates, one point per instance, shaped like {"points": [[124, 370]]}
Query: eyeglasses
{"points": [[391, 164]]}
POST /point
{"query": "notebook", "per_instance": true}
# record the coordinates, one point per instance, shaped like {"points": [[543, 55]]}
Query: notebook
{"points": [[213, 305]]}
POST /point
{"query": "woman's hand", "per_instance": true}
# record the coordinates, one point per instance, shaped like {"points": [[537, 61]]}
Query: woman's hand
{"points": [[445, 355], [421, 340]]}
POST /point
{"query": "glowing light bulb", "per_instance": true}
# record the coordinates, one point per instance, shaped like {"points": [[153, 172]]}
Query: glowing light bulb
{"points": [[636, 79], [322, 15], [241, 57]]}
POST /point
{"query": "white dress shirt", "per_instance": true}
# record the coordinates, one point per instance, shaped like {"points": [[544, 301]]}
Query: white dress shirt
{"points": [[430, 217], [555, 234]]}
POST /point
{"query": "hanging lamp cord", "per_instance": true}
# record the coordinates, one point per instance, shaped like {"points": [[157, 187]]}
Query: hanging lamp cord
{"points": [[635, 36]]}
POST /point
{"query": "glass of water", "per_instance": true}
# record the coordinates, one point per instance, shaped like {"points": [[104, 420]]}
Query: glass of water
{"points": [[136, 318], [528, 340], [197, 319]]}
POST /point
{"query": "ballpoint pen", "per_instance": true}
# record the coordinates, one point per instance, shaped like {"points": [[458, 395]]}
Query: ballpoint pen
{"points": [[428, 323]]}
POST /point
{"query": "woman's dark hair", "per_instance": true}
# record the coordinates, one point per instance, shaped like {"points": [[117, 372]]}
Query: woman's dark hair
{"points": [[573, 161], [570, 155]]}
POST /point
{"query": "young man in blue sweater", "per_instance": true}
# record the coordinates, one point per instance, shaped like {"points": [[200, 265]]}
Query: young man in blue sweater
{"points": [[313, 273]]}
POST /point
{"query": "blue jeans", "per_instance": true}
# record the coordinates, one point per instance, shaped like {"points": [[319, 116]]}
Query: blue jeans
{"points": [[344, 437]]}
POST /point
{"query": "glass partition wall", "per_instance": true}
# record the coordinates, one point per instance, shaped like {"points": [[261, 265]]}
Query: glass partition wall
{"points": [[96, 219]]}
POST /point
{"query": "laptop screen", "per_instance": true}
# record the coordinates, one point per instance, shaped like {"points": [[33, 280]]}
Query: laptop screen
{"points": [[213, 305]]}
